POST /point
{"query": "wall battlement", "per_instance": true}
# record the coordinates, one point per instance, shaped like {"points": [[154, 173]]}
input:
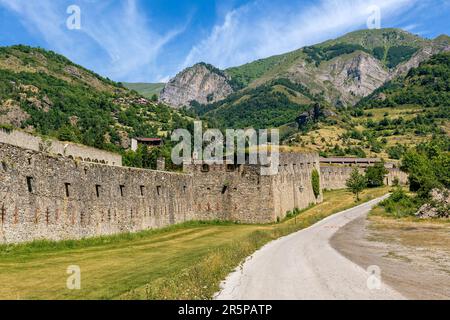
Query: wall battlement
{"points": [[244, 193]]}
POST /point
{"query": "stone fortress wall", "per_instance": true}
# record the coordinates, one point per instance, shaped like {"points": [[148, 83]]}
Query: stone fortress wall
{"points": [[242, 193], [52, 197], [45, 196], [71, 150], [334, 176], [293, 184]]}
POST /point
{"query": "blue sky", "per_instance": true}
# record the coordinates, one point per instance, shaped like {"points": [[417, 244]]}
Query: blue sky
{"points": [[152, 40]]}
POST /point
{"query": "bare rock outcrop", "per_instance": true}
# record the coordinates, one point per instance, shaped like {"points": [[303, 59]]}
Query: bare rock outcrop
{"points": [[438, 207], [356, 77], [202, 83], [12, 114]]}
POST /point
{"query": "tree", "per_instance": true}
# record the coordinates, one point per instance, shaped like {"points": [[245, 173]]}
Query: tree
{"points": [[422, 173], [315, 180], [356, 183], [154, 97], [375, 175]]}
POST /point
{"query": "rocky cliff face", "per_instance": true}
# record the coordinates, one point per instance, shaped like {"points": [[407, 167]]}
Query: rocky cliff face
{"points": [[354, 77], [202, 83]]}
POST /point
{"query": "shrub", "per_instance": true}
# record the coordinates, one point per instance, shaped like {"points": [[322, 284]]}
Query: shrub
{"points": [[315, 180], [399, 204]]}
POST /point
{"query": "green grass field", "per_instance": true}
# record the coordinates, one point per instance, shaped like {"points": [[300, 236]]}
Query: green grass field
{"points": [[180, 262]]}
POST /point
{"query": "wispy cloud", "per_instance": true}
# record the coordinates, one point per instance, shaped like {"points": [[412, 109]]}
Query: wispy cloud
{"points": [[255, 31], [410, 27], [143, 41], [126, 45]]}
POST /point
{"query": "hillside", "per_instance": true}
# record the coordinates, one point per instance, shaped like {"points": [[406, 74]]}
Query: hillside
{"points": [[45, 93], [400, 114], [270, 105], [390, 46], [340, 72], [387, 109], [147, 90], [284, 91]]}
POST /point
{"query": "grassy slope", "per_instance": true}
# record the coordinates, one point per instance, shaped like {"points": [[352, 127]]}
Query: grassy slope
{"points": [[145, 89], [184, 261], [373, 38], [61, 99], [421, 99], [268, 106]]}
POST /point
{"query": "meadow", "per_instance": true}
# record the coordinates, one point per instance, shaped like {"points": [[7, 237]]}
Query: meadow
{"points": [[186, 261]]}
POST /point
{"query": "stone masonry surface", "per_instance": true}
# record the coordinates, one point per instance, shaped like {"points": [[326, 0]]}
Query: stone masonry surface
{"points": [[45, 196], [68, 149]]}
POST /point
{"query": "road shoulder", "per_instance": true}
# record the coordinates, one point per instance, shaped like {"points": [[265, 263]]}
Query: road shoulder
{"points": [[414, 257]]}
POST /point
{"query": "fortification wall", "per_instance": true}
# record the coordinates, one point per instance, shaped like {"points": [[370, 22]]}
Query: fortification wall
{"points": [[242, 193], [51, 197], [396, 173], [44, 196], [335, 177], [293, 184], [67, 149], [231, 192]]}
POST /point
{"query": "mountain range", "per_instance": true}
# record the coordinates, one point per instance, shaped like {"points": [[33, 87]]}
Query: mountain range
{"points": [[368, 93], [354, 95], [341, 71]]}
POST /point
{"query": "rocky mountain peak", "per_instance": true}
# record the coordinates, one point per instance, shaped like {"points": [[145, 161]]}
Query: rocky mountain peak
{"points": [[202, 83]]}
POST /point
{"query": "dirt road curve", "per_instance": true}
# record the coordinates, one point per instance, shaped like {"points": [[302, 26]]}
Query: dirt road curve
{"points": [[304, 266]]}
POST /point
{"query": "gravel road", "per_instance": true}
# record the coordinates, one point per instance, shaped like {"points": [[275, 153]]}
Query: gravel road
{"points": [[305, 266]]}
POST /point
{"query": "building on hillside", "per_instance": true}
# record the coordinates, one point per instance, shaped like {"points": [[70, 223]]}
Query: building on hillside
{"points": [[149, 142]]}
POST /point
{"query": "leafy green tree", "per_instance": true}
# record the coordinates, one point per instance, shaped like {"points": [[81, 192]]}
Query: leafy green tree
{"points": [[356, 183], [396, 152], [428, 166], [375, 175], [421, 175]]}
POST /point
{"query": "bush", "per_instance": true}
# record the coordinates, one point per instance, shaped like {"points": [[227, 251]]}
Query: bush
{"points": [[315, 180], [399, 204], [428, 167], [396, 152]]}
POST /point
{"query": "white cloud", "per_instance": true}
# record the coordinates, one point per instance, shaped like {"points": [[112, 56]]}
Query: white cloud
{"points": [[410, 27], [256, 31], [121, 31]]}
